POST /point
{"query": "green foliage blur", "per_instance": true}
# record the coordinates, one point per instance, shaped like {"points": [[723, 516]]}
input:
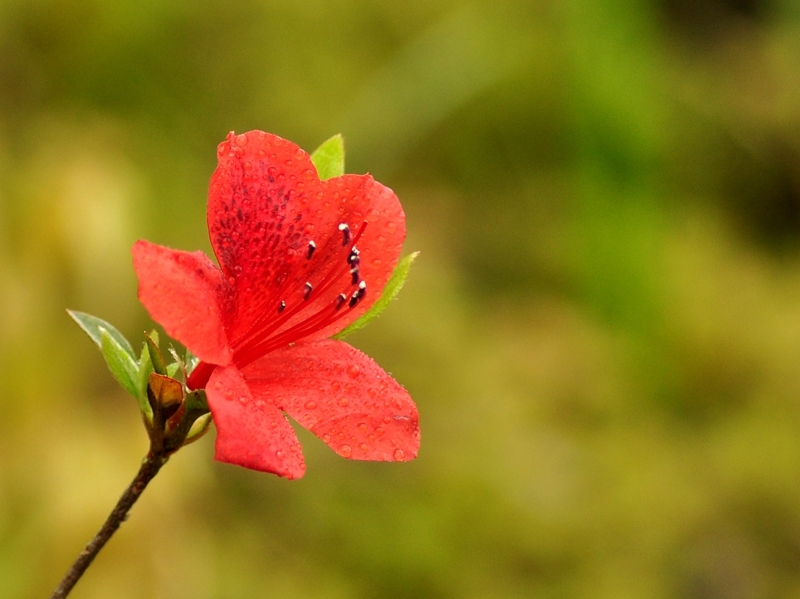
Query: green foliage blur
{"points": [[602, 331]]}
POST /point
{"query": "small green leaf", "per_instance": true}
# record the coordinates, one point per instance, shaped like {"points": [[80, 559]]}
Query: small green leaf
{"points": [[329, 158], [199, 428], [92, 326], [389, 292], [191, 361], [142, 380], [156, 358], [120, 363]]}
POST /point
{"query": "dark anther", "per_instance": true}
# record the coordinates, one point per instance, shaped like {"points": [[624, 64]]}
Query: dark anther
{"points": [[282, 306], [353, 258], [311, 247], [340, 299], [307, 290], [345, 233], [354, 275], [358, 294]]}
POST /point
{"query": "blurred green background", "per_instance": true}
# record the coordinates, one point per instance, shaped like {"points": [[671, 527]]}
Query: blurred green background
{"points": [[602, 332]]}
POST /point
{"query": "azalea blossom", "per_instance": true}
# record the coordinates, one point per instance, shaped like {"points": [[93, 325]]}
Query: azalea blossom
{"points": [[299, 260]]}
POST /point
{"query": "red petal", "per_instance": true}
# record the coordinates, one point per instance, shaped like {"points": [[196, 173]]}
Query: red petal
{"points": [[186, 294], [266, 203], [366, 200], [342, 396], [251, 432]]}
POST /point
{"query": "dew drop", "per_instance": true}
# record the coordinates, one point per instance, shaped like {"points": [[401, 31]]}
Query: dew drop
{"points": [[326, 438], [362, 426], [386, 419], [241, 139], [343, 401], [398, 454], [279, 454], [379, 431], [352, 371], [218, 385], [310, 404], [242, 399], [345, 450], [363, 447], [229, 394]]}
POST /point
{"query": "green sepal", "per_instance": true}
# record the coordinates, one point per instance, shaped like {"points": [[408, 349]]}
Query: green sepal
{"points": [[143, 380], [329, 158], [93, 326], [156, 358], [389, 292], [120, 362]]}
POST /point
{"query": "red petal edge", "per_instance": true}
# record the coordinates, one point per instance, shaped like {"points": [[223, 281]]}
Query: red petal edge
{"points": [[342, 396], [186, 294], [251, 433]]}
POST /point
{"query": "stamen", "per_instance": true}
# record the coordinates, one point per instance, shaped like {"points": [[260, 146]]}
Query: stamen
{"points": [[281, 306], [358, 294], [353, 258], [345, 233], [311, 247], [354, 276], [265, 333]]}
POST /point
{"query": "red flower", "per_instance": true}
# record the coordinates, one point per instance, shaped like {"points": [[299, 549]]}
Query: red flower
{"points": [[300, 259]]}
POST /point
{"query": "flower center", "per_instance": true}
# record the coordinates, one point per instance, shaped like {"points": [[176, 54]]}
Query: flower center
{"points": [[285, 321]]}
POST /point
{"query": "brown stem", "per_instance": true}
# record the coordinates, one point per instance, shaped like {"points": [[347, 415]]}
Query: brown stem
{"points": [[150, 467]]}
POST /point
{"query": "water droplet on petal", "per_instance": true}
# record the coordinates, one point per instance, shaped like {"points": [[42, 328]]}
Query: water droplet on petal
{"points": [[363, 447], [386, 419], [362, 426], [279, 454], [343, 401], [241, 139], [345, 450], [326, 438], [398, 454], [379, 431], [352, 371], [310, 404]]}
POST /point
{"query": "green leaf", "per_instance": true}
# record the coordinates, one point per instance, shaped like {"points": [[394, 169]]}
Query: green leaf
{"points": [[142, 380], [329, 158], [191, 361], [389, 292], [120, 363], [92, 326], [156, 358]]}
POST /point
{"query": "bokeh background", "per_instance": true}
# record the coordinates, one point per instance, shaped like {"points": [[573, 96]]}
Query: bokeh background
{"points": [[602, 331]]}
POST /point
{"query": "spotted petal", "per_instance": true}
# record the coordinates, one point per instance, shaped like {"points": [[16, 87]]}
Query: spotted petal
{"points": [[342, 396], [251, 432], [187, 295], [281, 238]]}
